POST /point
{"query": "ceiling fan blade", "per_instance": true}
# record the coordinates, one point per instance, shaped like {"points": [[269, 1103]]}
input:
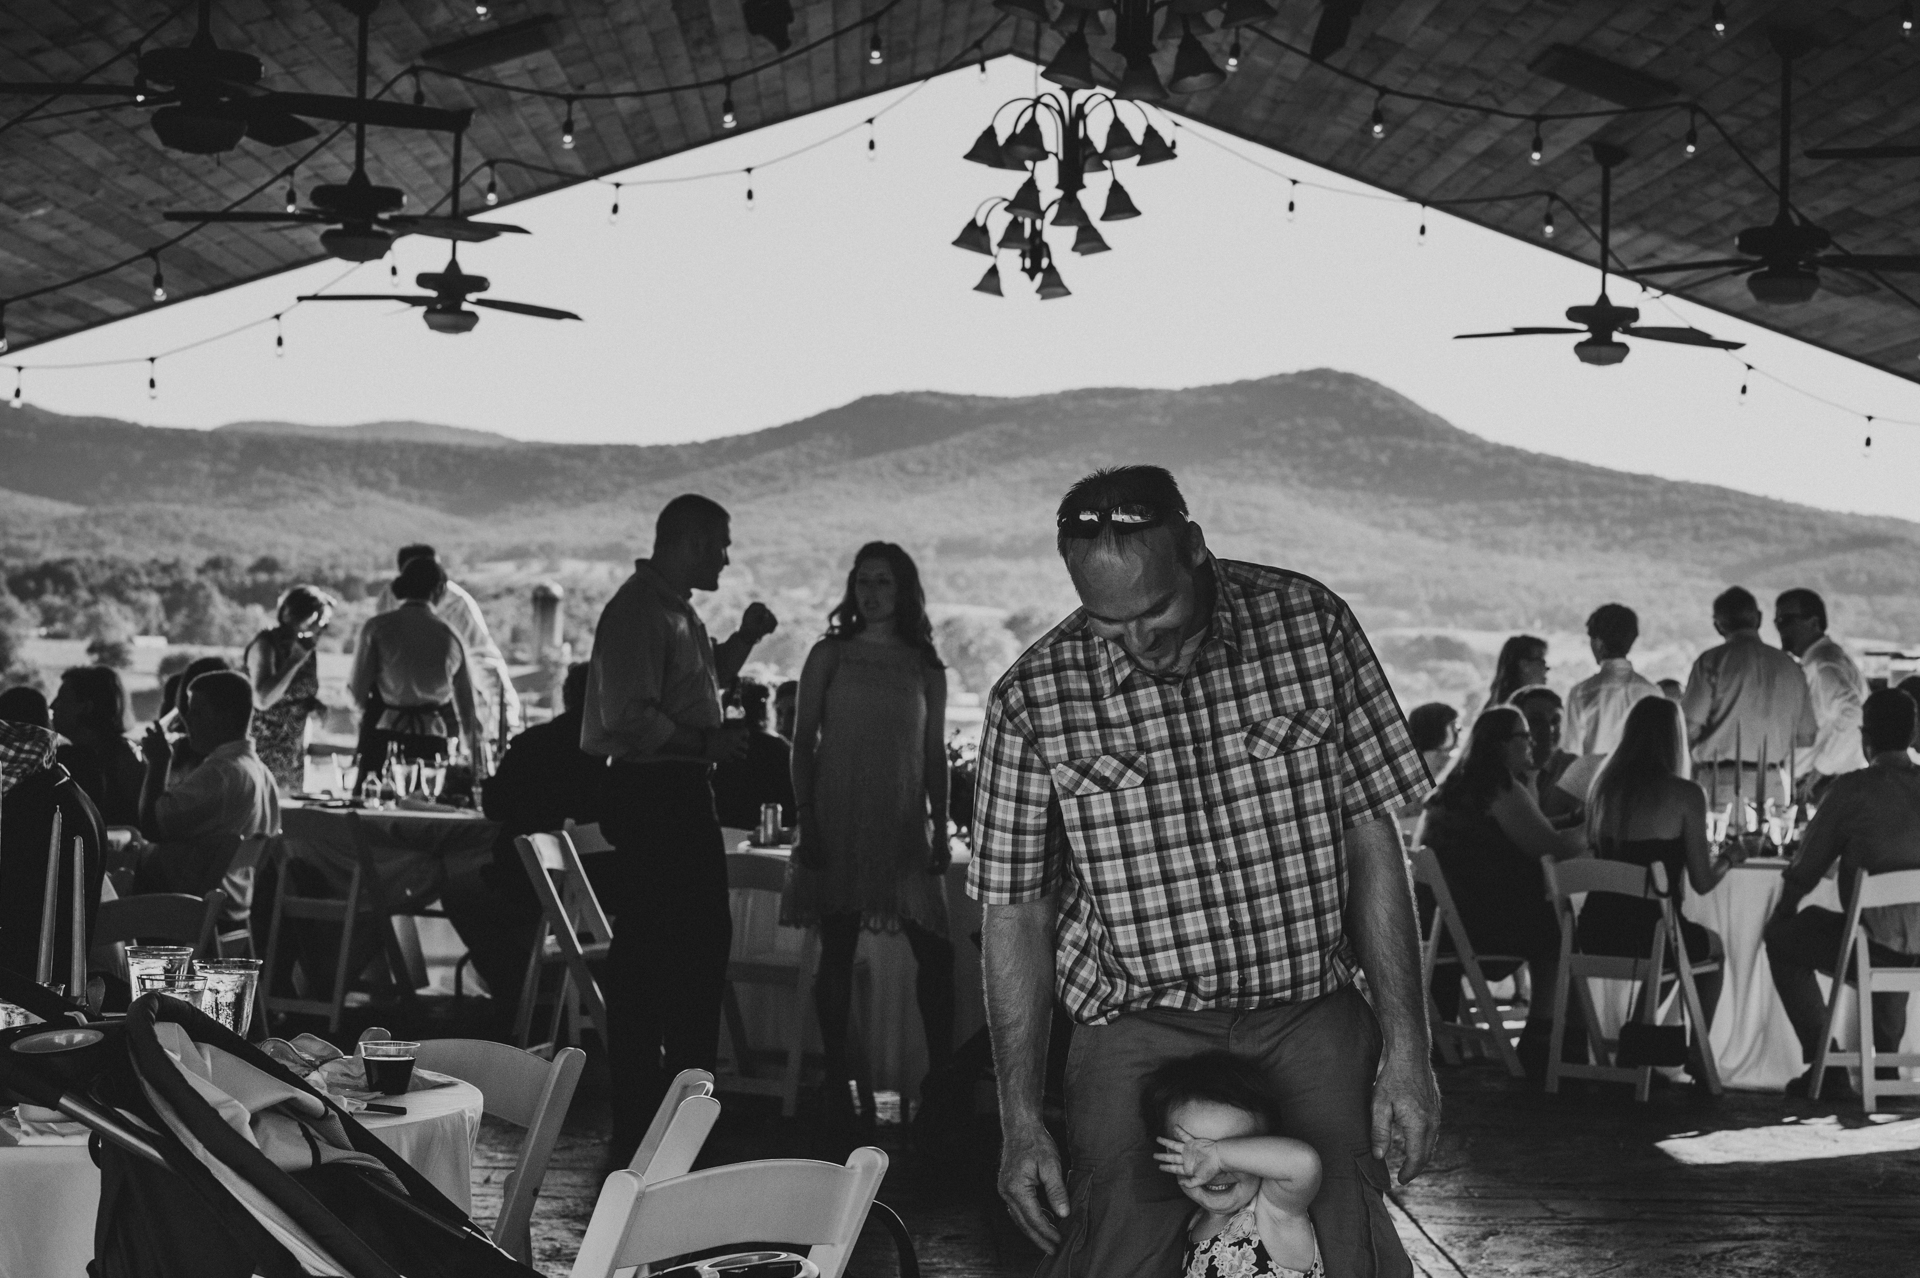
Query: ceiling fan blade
{"points": [[288, 219], [1897, 263], [1336, 24], [1519, 332], [1715, 278], [452, 228], [1911, 152], [277, 128], [1681, 336], [522, 308], [422, 299], [53, 90], [1712, 264], [389, 115]]}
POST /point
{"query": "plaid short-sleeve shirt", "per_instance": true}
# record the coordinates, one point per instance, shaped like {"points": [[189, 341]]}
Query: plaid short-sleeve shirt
{"points": [[1193, 828]]}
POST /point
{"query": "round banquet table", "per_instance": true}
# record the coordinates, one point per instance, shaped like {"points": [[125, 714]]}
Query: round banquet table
{"points": [[50, 1194], [895, 1043]]}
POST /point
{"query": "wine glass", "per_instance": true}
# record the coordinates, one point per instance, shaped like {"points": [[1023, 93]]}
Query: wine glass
{"points": [[433, 776]]}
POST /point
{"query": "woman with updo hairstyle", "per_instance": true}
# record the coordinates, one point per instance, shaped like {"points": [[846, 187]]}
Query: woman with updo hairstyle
{"points": [[870, 792], [286, 682]]}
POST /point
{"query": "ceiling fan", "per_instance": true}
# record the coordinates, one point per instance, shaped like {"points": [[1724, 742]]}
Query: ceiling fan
{"points": [[1603, 322], [1783, 259], [206, 100], [365, 218], [446, 305]]}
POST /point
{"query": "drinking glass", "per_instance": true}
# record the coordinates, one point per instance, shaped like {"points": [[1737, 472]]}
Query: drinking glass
{"points": [[230, 989], [433, 775], [339, 786], [157, 960], [388, 1064], [188, 989]]}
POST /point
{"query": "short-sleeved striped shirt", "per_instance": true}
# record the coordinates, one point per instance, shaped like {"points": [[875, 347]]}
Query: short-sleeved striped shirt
{"points": [[1193, 827]]}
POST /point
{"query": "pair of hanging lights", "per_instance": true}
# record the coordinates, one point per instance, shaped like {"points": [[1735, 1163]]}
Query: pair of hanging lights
{"points": [[1054, 128]]}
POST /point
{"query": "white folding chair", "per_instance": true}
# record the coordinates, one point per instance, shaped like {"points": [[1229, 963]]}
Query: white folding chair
{"points": [[522, 1089], [670, 1125], [573, 930], [1483, 1018], [1870, 891], [1567, 879], [587, 839], [796, 1202]]}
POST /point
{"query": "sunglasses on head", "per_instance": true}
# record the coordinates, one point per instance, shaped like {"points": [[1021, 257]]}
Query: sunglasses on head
{"points": [[1127, 517]]}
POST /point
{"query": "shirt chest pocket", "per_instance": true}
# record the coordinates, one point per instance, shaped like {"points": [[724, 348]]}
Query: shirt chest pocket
{"points": [[1289, 733], [1101, 774]]}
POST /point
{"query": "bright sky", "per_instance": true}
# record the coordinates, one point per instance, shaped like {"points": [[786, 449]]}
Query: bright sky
{"points": [[704, 319]]}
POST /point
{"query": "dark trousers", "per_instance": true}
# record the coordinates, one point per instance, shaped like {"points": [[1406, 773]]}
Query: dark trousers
{"points": [[666, 885], [1808, 944], [1128, 1218]]}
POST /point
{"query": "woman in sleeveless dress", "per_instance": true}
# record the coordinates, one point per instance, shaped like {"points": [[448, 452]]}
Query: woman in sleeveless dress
{"points": [[870, 790], [1644, 810], [286, 682]]}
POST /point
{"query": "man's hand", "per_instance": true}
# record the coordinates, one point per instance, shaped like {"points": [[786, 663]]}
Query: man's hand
{"points": [[728, 744], [1032, 1184], [1406, 1114], [758, 622], [155, 747]]}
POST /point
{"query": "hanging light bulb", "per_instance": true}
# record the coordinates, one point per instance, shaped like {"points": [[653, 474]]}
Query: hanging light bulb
{"points": [[1546, 224], [1693, 133], [1718, 19], [728, 119], [139, 85], [1744, 378], [393, 274], [3, 330], [159, 281], [876, 53], [1233, 54], [1379, 122], [749, 190], [1869, 444], [872, 146], [293, 196], [1422, 241], [493, 188], [1538, 150], [419, 94], [566, 127], [153, 383], [983, 80], [613, 214], [1292, 187], [482, 10], [279, 339], [19, 378]]}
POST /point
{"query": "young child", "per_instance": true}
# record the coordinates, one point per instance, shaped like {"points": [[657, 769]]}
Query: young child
{"points": [[1216, 1112]]}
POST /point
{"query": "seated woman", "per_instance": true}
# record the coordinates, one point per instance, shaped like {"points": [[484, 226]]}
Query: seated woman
{"points": [[1645, 811], [1485, 829], [90, 711]]}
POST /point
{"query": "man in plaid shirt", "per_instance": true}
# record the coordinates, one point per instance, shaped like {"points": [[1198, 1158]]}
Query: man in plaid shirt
{"points": [[1184, 833]]}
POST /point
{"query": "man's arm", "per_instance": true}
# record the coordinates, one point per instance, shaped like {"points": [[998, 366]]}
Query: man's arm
{"points": [[1819, 848], [1833, 699], [756, 623], [1380, 919], [1696, 702], [1016, 945]]}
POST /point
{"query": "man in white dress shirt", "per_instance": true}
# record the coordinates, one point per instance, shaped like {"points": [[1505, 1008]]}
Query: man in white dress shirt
{"points": [[1597, 706], [1834, 682]]}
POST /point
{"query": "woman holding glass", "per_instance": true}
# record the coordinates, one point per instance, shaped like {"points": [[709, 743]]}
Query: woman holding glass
{"points": [[870, 789], [286, 682]]}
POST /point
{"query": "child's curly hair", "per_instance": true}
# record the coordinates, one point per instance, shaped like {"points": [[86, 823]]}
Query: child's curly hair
{"points": [[1219, 1077]]}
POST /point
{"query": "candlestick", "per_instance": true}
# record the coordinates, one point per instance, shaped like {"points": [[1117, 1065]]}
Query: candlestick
{"points": [[1793, 771], [1760, 794], [49, 898], [1739, 782], [77, 962]]}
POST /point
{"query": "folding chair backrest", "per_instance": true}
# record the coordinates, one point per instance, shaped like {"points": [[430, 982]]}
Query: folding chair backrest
{"points": [[583, 903], [587, 838], [756, 872], [793, 1201], [1898, 887], [525, 1090], [686, 1084], [177, 917], [1593, 874], [686, 1135]]}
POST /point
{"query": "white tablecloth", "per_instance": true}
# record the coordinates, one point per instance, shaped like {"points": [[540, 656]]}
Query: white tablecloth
{"points": [[50, 1194], [896, 1045]]}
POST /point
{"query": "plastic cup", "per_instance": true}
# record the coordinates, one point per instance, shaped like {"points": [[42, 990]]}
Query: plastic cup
{"points": [[157, 960], [230, 989], [389, 1065], [188, 989]]}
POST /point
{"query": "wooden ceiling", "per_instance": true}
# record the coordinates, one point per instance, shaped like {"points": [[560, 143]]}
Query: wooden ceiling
{"points": [[81, 192]]}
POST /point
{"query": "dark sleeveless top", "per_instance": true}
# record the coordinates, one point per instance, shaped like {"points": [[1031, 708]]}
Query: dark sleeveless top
{"points": [[1496, 887]]}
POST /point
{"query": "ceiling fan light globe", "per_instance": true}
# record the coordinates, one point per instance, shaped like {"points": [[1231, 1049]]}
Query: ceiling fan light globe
{"points": [[1594, 350], [1783, 286], [452, 322], [182, 128], [356, 243]]}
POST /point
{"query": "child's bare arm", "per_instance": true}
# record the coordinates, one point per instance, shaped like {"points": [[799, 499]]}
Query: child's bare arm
{"points": [[1288, 1168]]}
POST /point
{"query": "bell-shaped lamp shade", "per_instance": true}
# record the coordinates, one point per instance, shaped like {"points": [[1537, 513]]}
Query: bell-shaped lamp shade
{"points": [[1120, 143], [1154, 149], [1027, 144], [1090, 161], [1051, 285], [975, 239], [451, 322], [1026, 202], [1072, 67], [1240, 13], [1119, 208], [1141, 83], [986, 150], [1015, 236], [1596, 351], [990, 282], [1089, 241], [1034, 9], [1193, 70], [1068, 212]]}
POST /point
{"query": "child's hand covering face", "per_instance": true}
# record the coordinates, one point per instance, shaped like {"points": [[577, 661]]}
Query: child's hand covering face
{"points": [[1193, 1159]]}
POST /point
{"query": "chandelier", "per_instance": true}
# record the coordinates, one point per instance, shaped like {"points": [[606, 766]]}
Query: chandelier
{"points": [[1054, 128]]}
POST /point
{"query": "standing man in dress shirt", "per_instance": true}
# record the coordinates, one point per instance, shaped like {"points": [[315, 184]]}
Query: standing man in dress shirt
{"points": [[653, 710], [1597, 706], [1184, 832], [1833, 682], [1744, 694]]}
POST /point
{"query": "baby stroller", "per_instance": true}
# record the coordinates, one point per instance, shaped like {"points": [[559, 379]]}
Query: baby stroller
{"points": [[217, 1162]]}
